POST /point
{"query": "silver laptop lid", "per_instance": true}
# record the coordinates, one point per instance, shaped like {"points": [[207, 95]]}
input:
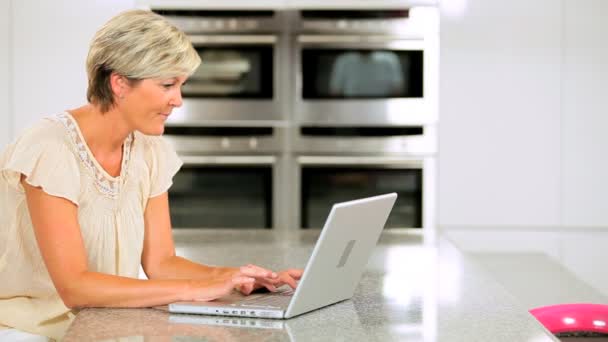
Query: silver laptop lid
{"points": [[341, 253]]}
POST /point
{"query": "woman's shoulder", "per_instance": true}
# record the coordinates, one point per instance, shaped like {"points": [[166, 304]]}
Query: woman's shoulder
{"points": [[45, 137], [161, 159], [42, 153], [46, 131]]}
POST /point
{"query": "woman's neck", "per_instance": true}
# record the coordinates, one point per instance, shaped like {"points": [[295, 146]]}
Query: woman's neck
{"points": [[104, 133]]}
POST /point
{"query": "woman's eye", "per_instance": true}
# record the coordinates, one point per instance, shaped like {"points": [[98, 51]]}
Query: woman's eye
{"points": [[168, 85]]}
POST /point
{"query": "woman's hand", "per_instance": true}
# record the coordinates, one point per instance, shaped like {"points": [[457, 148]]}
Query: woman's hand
{"points": [[262, 278], [221, 285], [290, 277], [287, 277]]}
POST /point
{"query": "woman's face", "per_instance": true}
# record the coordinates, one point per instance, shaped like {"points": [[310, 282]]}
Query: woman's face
{"points": [[148, 103]]}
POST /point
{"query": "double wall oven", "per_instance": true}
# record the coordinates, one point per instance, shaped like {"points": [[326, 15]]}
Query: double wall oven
{"points": [[365, 111], [294, 110]]}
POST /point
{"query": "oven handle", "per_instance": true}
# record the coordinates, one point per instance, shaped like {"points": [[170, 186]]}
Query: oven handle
{"points": [[228, 160], [401, 41], [355, 161], [255, 39]]}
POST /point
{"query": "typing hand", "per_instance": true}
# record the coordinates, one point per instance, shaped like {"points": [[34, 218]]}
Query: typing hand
{"points": [[287, 277]]}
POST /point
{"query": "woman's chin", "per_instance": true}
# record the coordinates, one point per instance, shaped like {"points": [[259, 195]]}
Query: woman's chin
{"points": [[158, 130]]}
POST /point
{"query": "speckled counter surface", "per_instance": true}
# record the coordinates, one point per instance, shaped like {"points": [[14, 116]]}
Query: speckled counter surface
{"points": [[411, 291]]}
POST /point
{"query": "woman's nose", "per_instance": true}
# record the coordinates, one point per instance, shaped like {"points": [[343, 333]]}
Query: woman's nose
{"points": [[176, 100]]}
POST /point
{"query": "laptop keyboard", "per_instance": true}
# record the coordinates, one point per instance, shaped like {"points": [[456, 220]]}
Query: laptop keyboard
{"points": [[274, 300]]}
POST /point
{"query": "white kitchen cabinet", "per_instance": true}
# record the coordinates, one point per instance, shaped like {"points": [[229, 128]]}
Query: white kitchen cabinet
{"points": [[499, 136], [585, 114], [5, 110], [50, 44]]}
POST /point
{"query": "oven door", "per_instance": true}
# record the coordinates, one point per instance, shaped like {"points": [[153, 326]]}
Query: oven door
{"points": [[364, 80], [238, 79], [224, 192], [326, 180]]}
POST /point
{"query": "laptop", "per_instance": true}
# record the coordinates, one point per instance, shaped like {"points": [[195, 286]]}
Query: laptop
{"points": [[331, 275]]}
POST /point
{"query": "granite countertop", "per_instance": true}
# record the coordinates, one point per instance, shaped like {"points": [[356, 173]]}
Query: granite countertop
{"points": [[462, 286]]}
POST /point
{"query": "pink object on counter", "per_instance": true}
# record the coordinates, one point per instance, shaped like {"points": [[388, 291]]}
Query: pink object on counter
{"points": [[573, 317]]}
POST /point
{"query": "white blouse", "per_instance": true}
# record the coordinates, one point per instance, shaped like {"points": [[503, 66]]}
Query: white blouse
{"points": [[54, 156]]}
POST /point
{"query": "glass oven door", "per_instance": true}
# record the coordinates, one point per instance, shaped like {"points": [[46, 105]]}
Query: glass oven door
{"points": [[339, 74], [325, 181], [342, 79], [223, 192], [238, 79]]}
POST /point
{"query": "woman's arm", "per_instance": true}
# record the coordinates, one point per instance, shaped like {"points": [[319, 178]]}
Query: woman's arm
{"points": [[55, 222], [158, 258], [160, 262]]}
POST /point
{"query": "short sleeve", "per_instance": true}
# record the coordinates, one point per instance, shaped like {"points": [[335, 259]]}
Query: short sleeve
{"points": [[46, 163], [163, 163]]}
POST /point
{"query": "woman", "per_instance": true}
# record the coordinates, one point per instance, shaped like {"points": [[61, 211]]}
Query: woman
{"points": [[83, 194]]}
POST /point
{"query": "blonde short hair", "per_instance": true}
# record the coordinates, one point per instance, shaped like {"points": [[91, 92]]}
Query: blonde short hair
{"points": [[137, 44]]}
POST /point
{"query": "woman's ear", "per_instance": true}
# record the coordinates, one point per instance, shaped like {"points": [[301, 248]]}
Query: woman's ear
{"points": [[119, 85]]}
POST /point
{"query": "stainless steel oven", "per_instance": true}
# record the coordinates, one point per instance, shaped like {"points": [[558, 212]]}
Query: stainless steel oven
{"points": [[231, 177], [241, 77], [334, 164], [365, 67], [325, 180]]}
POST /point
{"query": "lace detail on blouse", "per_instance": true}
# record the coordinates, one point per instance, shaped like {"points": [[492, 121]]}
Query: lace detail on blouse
{"points": [[108, 187]]}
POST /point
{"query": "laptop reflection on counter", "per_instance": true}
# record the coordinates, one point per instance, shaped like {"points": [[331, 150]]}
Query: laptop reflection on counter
{"points": [[331, 275], [341, 320]]}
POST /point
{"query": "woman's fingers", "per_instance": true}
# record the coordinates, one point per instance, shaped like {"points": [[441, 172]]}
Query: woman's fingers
{"points": [[246, 289], [295, 273], [211, 290], [268, 279], [257, 272], [262, 278], [271, 286], [290, 277], [287, 279]]}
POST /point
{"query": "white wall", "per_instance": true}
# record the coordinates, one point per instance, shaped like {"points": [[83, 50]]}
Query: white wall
{"points": [[499, 148], [585, 114], [51, 41], [5, 117], [523, 114]]}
